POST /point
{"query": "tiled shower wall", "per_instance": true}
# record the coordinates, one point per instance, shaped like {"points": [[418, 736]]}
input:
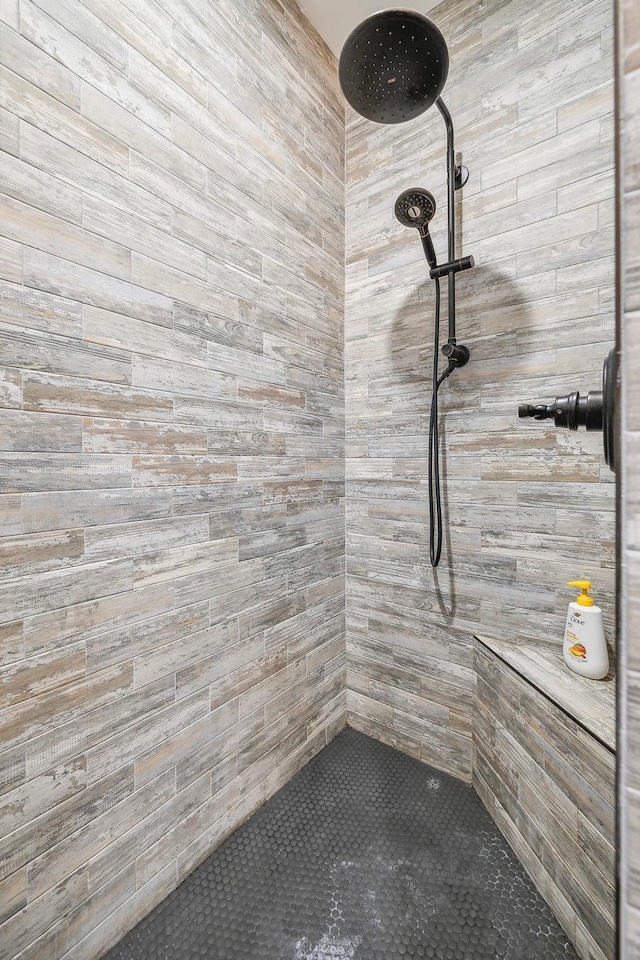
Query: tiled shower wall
{"points": [[527, 508], [629, 713], [171, 443]]}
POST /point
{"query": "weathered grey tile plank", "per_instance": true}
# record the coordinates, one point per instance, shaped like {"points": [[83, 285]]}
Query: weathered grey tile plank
{"points": [[34, 66], [123, 228], [184, 742], [57, 588], [11, 642], [40, 794], [218, 580], [91, 617], [73, 395], [50, 709], [51, 36], [143, 536], [31, 186], [124, 644], [142, 324], [126, 807], [172, 470], [138, 437], [185, 380], [132, 846], [89, 727], [168, 563], [24, 306], [35, 919], [68, 162], [11, 261], [67, 279], [34, 839], [13, 894], [180, 654], [45, 232], [68, 510], [39, 552]]}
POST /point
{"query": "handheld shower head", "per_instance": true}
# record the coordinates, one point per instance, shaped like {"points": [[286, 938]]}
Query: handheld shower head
{"points": [[393, 66], [416, 208]]}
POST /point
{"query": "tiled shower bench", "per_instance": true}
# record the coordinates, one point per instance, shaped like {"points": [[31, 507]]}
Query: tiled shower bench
{"points": [[544, 766]]}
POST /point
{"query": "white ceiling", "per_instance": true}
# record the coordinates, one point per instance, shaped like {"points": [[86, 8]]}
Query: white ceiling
{"points": [[335, 19]]}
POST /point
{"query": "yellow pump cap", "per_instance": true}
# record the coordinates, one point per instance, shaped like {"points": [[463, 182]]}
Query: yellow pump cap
{"points": [[583, 599]]}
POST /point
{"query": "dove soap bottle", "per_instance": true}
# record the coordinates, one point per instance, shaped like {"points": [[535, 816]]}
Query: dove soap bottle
{"points": [[585, 647]]}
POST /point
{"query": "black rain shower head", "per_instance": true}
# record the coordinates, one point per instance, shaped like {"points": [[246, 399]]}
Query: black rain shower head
{"points": [[415, 208], [393, 66]]}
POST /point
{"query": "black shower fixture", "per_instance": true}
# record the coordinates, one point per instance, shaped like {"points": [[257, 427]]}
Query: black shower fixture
{"points": [[393, 67], [415, 208], [596, 411]]}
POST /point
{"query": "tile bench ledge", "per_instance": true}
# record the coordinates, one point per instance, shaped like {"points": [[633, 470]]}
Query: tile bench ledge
{"points": [[591, 703]]}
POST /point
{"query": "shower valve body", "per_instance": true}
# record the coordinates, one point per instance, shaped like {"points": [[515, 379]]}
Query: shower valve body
{"points": [[596, 411], [571, 411]]}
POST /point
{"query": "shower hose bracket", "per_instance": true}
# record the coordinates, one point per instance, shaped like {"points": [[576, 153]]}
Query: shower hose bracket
{"points": [[461, 175], [452, 266], [456, 353]]}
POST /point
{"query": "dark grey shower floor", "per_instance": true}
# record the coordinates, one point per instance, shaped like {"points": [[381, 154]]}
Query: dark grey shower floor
{"points": [[365, 854]]}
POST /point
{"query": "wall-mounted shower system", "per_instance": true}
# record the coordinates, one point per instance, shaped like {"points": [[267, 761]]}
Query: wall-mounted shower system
{"points": [[393, 67], [596, 411]]}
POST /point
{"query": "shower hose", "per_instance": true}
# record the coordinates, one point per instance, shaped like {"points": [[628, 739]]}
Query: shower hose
{"points": [[435, 497]]}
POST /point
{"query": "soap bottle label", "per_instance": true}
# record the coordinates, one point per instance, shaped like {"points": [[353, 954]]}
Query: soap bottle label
{"points": [[577, 650]]}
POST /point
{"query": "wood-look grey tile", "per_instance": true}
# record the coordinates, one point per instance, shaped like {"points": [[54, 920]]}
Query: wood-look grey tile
{"points": [[526, 767]]}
